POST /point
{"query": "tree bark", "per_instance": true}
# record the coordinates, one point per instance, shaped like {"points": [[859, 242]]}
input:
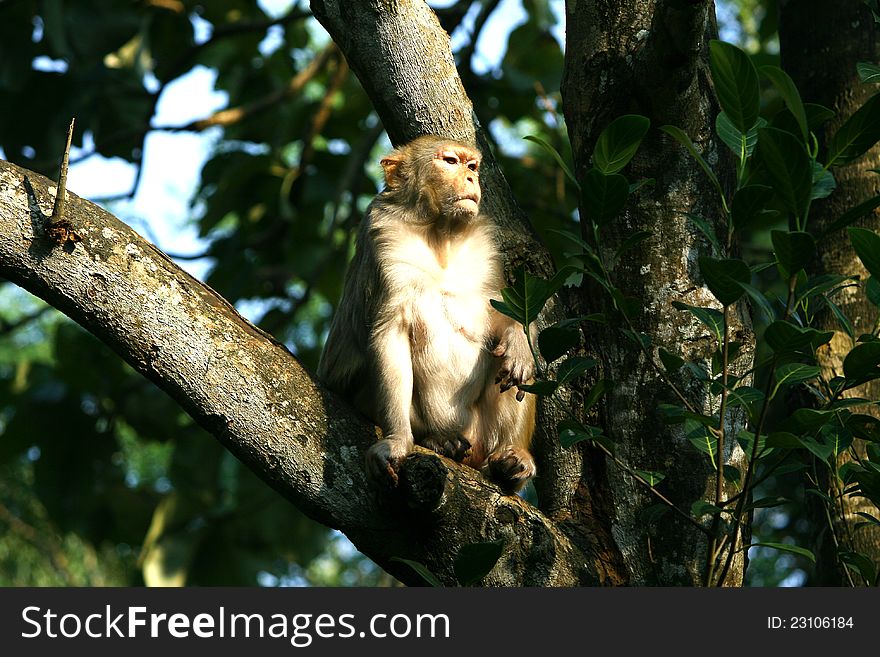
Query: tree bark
{"points": [[651, 58], [820, 49]]}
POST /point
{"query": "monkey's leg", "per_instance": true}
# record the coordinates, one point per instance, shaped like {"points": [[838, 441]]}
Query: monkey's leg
{"points": [[503, 433], [510, 467]]}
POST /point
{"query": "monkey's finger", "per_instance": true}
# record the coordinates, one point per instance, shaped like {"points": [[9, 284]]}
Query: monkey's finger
{"points": [[391, 473], [520, 395]]}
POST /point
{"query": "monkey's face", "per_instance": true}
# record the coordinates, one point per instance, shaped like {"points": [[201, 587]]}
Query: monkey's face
{"points": [[455, 172]]}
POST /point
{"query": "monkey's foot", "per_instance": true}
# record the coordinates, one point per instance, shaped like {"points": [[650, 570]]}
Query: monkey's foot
{"points": [[455, 447], [510, 468]]}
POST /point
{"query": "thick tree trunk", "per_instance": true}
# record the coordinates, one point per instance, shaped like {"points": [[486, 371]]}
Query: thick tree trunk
{"points": [[820, 48], [651, 58], [402, 57]]}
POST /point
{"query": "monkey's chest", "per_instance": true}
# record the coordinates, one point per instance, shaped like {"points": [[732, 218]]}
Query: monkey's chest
{"points": [[448, 325]]}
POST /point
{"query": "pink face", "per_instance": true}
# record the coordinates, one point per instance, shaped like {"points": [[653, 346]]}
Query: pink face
{"points": [[460, 166]]}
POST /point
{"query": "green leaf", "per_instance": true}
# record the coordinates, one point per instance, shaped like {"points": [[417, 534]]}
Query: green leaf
{"points": [[421, 570], [574, 367], [571, 433], [707, 230], [618, 142], [817, 115], [795, 373], [724, 277], [860, 563], [842, 319], [541, 388], [759, 301], [872, 291], [653, 478], [749, 207], [862, 364], [681, 137], [700, 437], [651, 515], [604, 196], [556, 156], [836, 437], [788, 167], [702, 508], [744, 396], [632, 241], [787, 89], [736, 84], [575, 239], [788, 468], [711, 317], [673, 414], [641, 339], [783, 440], [851, 215], [767, 503], [867, 246], [644, 182], [794, 250], [871, 520], [821, 450], [857, 135], [786, 338], [821, 284], [555, 340], [807, 420], [794, 549], [742, 145], [746, 440], [823, 182], [600, 388], [476, 560], [524, 300], [671, 362], [732, 474], [868, 72]]}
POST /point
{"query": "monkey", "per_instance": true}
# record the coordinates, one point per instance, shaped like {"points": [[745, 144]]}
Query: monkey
{"points": [[415, 344]]}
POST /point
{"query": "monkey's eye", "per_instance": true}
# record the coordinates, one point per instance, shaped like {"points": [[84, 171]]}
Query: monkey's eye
{"points": [[450, 159], [472, 166]]}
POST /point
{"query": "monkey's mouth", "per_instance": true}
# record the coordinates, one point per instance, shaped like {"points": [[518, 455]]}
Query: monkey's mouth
{"points": [[468, 201]]}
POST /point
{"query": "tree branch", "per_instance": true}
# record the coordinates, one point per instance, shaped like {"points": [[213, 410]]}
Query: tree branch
{"points": [[248, 391]]}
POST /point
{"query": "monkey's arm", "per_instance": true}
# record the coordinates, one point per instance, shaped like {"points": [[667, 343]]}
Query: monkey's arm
{"points": [[392, 358], [517, 364]]}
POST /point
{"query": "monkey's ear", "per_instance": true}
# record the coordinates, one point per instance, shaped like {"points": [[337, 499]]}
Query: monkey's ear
{"points": [[391, 165]]}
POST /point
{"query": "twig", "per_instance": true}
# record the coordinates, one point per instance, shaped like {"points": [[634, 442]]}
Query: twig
{"points": [[60, 230], [60, 195]]}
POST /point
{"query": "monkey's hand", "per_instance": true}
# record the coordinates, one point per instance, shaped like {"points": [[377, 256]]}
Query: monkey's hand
{"points": [[385, 458], [510, 468], [517, 363]]}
